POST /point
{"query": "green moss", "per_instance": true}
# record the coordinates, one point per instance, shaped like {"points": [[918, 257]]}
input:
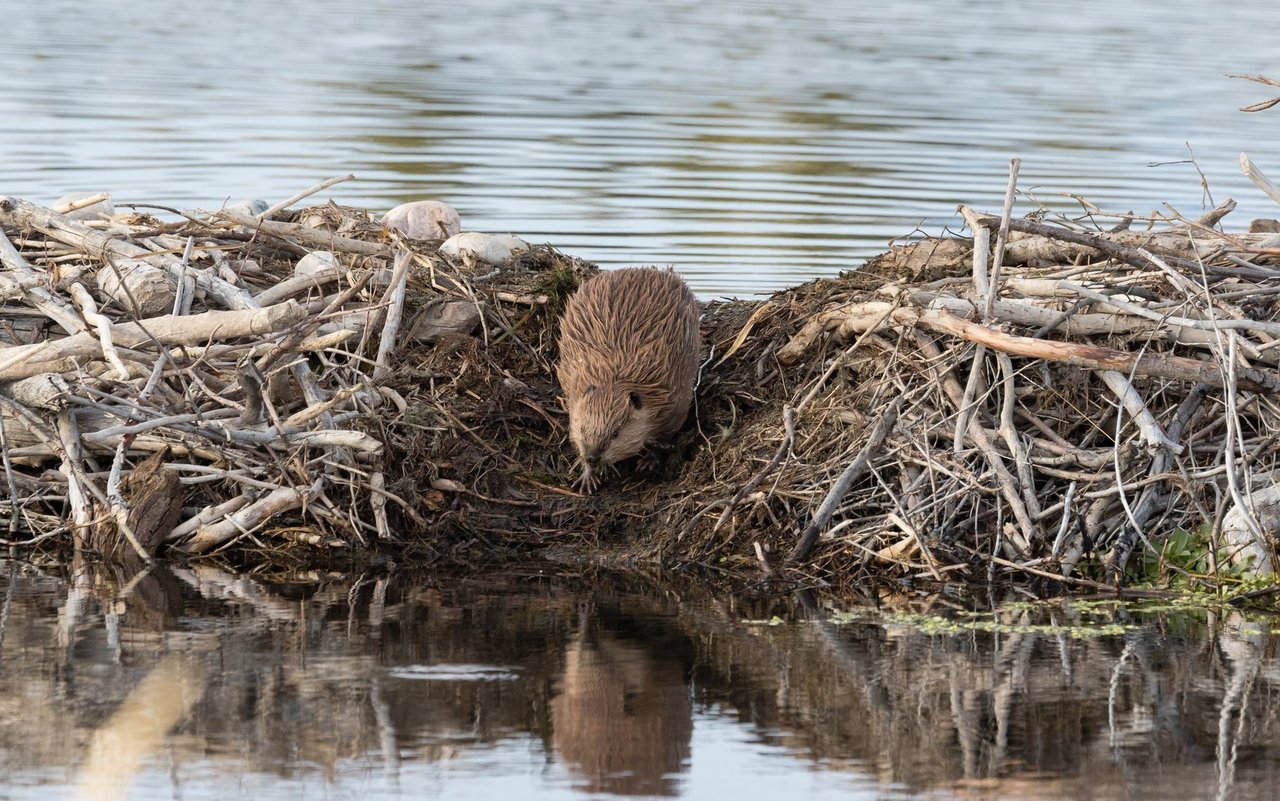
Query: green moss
{"points": [[557, 284]]}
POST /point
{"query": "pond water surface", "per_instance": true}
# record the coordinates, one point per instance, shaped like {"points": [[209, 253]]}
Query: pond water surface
{"points": [[752, 144], [195, 683]]}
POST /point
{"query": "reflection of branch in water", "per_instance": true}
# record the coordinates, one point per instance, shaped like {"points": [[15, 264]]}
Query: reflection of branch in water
{"points": [[8, 599], [1013, 663], [139, 726], [965, 714], [212, 582], [1246, 659], [71, 611], [1113, 690], [386, 729]]}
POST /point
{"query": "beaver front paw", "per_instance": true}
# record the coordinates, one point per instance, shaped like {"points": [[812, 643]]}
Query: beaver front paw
{"points": [[587, 483]]}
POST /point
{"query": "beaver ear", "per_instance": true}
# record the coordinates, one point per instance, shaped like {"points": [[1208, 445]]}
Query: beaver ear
{"points": [[590, 388], [636, 400]]}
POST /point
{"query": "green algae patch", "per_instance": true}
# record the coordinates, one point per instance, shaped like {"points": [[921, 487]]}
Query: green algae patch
{"points": [[993, 623]]}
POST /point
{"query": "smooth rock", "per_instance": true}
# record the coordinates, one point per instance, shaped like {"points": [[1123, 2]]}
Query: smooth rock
{"points": [[495, 249], [251, 207], [423, 219], [439, 320], [102, 208], [317, 261]]}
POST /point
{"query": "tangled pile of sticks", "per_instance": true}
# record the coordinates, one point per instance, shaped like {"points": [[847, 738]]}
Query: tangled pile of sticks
{"points": [[237, 350], [1076, 388]]}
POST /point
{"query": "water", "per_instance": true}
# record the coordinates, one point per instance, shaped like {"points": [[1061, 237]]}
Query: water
{"points": [[751, 144], [194, 683]]}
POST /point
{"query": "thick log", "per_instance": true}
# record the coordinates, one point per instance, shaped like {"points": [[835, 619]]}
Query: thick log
{"points": [[22, 361]]}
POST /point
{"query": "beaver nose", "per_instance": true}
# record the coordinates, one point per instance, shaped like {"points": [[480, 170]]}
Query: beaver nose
{"points": [[593, 458]]}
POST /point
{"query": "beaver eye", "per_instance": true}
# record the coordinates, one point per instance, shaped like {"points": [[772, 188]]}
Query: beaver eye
{"points": [[615, 435], [636, 401]]}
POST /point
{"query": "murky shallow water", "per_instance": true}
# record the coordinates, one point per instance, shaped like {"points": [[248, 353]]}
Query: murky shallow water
{"points": [[193, 683], [752, 144]]}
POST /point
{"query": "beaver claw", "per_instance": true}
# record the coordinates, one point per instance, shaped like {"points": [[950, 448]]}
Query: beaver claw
{"points": [[587, 483]]}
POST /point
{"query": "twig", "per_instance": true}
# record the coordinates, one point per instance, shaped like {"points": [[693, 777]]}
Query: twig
{"points": [[89, 310], [306, 193], [997, 260], [827, 509], [784, 448], [395, 309]]}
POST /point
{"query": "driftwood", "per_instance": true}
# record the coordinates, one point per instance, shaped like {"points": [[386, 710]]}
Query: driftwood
{"points": [[194, 376], [1161, 343], [1054, 396]]}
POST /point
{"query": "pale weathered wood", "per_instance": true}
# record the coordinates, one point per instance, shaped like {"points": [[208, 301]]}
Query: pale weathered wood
{"points": [[21, 361], [310, 236]]}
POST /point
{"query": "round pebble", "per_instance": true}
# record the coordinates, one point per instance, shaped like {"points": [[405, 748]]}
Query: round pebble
{"points": [[495, 249], [423, 219], [317, 261]]}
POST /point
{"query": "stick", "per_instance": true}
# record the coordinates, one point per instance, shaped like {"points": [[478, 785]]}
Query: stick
{"points": [[395, 310], [275, 503], [89, 310], [1148, 426], [1259, 178], [77, 496], [827, 509], [982, 287], [1098, 243], [306, 193], [22, 361], [1003, 236], [29, 284], [311, 236]]}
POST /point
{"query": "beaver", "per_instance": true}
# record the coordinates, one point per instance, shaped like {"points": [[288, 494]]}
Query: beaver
{"points": [[629, 345]]}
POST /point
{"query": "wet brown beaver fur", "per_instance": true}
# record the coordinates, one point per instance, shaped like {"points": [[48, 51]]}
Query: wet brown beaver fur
{"points": [[629, 346]]}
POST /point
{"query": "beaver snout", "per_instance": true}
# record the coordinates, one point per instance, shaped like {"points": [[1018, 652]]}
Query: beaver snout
{"points": [[592, 458]]}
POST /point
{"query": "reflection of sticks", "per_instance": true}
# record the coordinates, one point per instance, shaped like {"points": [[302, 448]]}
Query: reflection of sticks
{"points": [[139, 727], [1245, 662]]}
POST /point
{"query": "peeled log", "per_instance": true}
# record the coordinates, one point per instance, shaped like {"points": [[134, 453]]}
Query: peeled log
{"points": [[142, 289], [21, 361], [1243, 547]]}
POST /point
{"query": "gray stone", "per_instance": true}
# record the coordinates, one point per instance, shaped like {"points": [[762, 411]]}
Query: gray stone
{"points": [[423, 219], [495, 249], [317, 261]]}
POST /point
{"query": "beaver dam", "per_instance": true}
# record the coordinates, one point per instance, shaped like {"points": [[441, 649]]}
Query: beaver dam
{"points": [[1089, 398]]}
